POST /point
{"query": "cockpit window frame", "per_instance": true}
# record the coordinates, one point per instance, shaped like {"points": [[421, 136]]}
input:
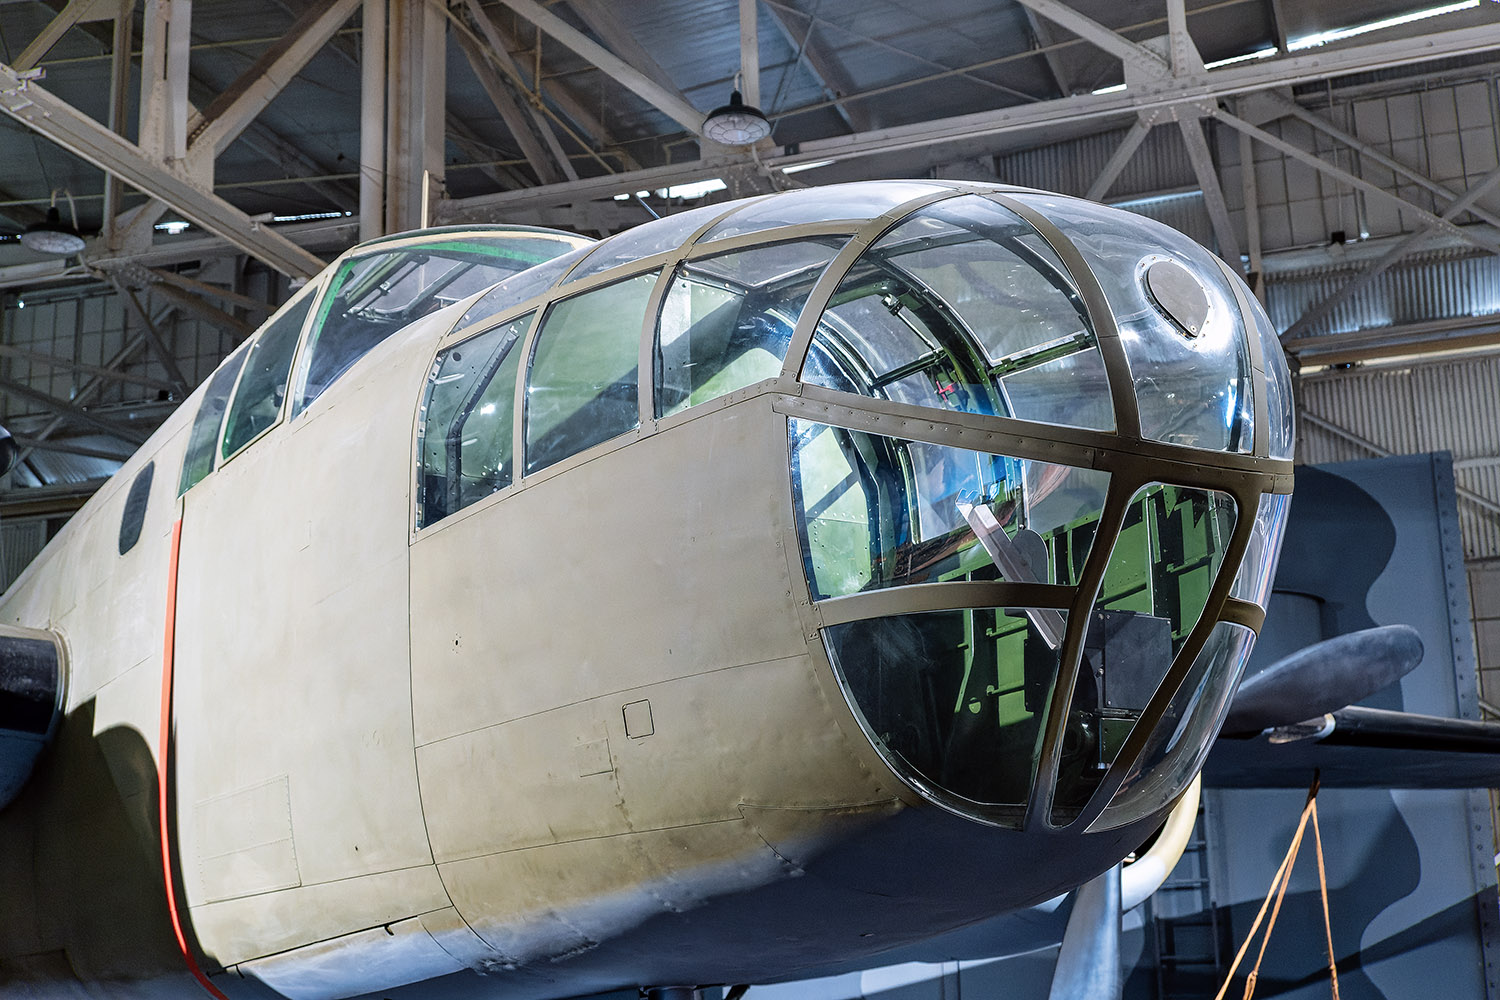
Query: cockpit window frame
{"points": [[311, 293], [461, 241]]}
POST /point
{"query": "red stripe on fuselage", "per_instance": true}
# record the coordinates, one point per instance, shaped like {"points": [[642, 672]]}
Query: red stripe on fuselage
{"points": [[163, 749]]}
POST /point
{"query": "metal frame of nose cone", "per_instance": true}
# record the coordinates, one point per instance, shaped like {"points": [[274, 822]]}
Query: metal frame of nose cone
{"points": [[1132, 462], [1324, 677]]}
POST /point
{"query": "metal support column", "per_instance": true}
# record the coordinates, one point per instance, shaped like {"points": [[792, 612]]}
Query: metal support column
{"points": [[417, 56], [372, 138]]}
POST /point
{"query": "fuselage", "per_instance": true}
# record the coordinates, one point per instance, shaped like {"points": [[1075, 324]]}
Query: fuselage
{"points": [[592, 712]]}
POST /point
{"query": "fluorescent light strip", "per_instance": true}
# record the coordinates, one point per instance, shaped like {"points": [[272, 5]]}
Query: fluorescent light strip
{"points": [[696, 189], [797, 168], [1110, 90], [1247, 57], [1339, 34]]}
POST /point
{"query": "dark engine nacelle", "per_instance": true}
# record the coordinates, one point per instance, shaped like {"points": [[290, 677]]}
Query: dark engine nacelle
{"points": [[31, 680]]}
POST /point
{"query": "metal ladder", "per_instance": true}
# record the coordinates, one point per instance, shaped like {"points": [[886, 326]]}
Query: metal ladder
{"points": [[1185, 929]]}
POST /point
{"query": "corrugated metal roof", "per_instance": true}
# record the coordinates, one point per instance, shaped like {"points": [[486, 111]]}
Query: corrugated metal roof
{"points": [[1160, 164], [1451, 405], [1408, 293], [20, 541], [58, 467]]}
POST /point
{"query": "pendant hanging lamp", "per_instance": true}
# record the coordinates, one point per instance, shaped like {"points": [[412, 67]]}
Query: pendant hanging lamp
{"points": [[736, 123]]}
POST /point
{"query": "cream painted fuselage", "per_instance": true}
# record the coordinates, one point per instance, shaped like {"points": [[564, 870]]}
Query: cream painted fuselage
{"points": [[580, 738], [795, 654]]}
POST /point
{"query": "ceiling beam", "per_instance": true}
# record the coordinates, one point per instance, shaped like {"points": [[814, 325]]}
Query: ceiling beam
{"points": [[1399, 251], [41, 444], [1185, 58], [834, 80], [1118, 160], [64, 408], [689, 117], [487, 57], [1163, 94], [81, 135], [1045, 42], [1278, 24], [601, 19], [153, 336], [515, 119], [75, 11], [68, 364], [1367, 151], [204, 288], [232, 325], [750, 52], [1396, 341], [1474, 236], [595, 134], [1107, 39], [1213, 195], [1250, 199], [244, 99]]}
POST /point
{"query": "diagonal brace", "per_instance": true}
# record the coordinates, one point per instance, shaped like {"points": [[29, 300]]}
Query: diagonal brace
{"points": [[81, 135]]}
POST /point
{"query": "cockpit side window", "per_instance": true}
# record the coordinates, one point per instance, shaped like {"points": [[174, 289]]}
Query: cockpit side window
{"points": [[198, 461], [465, 437], [583, 380], [373, 296], [727, 321], [257, 401]]}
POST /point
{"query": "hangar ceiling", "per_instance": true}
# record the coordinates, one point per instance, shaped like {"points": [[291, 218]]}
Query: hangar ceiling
{"points": [[215, 151]]}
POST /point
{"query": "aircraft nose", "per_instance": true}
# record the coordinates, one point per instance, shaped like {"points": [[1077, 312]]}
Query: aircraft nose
{"points": [[1039, 467]]}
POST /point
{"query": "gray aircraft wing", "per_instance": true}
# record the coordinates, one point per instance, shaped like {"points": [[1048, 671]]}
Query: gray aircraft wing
{"points": [[1295, 718], [1358, 747]]}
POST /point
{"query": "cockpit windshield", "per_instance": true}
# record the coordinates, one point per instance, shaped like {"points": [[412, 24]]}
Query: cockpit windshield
{"points": [[373, 295]]}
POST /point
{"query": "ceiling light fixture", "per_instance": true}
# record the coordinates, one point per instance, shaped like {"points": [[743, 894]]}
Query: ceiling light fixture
{"points": [[53, 236], [736, 123]]}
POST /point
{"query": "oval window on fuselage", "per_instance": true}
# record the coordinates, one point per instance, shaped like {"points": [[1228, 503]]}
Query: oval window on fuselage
{"points": [[135, 508]]}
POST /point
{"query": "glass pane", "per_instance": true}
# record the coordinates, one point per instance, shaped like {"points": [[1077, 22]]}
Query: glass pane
{"points": [[373, 296], [859, 201], [1194, 389], [1163, 564], [1282, 431], [648, 238], [582, 385], [955, 697], [134, 515], [198, 461], [726, 321], [518, 288], [1258, 571], [1180, 744], [466, 421], [876, 512], [257, 403], [964, 307]]}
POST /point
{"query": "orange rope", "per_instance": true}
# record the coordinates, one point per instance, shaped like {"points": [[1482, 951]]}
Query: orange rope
{"points": [[1333, 968], [1277, 891]]}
